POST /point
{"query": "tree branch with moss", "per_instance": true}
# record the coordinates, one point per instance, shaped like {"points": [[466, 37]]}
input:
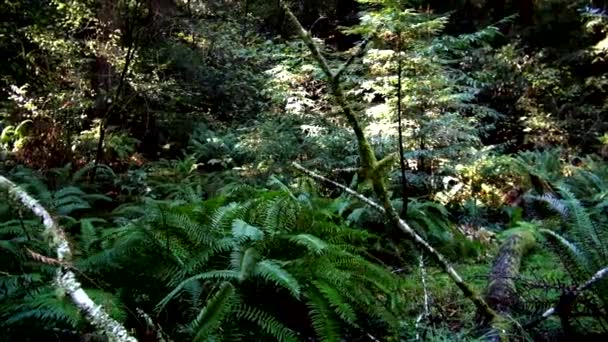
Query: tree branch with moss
{"points": [[375, 171], [64, 278]]}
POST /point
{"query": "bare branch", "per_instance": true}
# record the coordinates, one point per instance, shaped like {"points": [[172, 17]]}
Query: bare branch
{"points": [[340, 186], [426, 311], [599, 275], [360, 51]]}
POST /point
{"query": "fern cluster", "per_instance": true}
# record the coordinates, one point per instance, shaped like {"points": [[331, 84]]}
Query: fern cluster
{"points": [[208, 267]]}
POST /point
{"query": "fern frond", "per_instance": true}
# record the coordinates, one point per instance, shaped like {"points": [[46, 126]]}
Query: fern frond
{"points": [[213, 313], [222, 275], [311, 242], [244, 262], [554, 203], [223, 217], [196, 233], [268, 323], [270, 270], [102, 171], [280, 214], [241, 230], [88, 232], [582, 225], [571, 256], [323, 320], [337, 301], [44, 307]]}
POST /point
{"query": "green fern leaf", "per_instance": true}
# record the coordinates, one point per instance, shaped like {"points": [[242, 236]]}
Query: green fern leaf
{"points": [[268, 323], [337, 301], [323, 320], [213, 313], [244, 262], [225, 274], [270, 270], [241, 230], [573, 259], [311, 242]]}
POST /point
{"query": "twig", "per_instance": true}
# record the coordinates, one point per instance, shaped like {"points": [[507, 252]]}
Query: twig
{"points": [[151, 325], [371, 337], [426, 306], [340, 186], [599, 275], [64, 278], [345, 170], [360, 50]]}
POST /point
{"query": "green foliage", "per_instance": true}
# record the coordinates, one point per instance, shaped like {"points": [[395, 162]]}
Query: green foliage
{"points": [[579, 233], [275, 241], [29, 300], [203, 100]]}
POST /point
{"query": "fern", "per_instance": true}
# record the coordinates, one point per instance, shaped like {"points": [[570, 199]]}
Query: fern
{"points": [[571, 256], [337, 301], [311, 242], [271, 271], [213, 313], [223, 274], [241, 230], [273, 240], [244, 262], [265, 321], [323, 319]]}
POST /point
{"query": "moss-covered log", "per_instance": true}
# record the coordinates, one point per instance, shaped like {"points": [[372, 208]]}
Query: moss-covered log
{"points": [[501, 294]]}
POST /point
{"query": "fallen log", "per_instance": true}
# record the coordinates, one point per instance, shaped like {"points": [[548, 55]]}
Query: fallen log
{"points": [[501, 294]]}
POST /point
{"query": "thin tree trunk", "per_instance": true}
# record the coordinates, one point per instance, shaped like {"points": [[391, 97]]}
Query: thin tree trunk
{"points": [[404, 195], [375, 171], [116, 97], [526, 11], [244, 25]]}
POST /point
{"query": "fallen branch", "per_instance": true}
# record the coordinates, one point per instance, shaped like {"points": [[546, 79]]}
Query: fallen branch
{"points": [[568, 299], [485, 310], [65, 279], [426, 312]]}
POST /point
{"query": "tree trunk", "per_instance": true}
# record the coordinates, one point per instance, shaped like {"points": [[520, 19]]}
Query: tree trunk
{"points": [[526, 11]]}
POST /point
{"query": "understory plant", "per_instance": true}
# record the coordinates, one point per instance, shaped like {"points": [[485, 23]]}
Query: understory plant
{"points": [[213, 266]]}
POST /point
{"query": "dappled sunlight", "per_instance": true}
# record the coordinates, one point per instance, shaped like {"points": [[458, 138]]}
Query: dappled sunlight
{"points": [[338, 170]]}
